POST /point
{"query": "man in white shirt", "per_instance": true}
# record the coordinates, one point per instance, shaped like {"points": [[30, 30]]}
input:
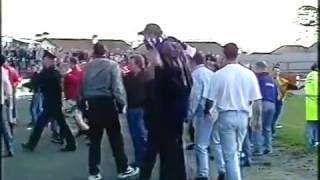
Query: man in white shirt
{"points": [[6, 93], [201, 77], [233, 88]]}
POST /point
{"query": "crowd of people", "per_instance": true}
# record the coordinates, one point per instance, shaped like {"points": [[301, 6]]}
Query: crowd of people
{"points": [[224, 103]]}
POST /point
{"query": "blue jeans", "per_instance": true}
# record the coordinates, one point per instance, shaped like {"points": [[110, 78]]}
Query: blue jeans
{"points": [[135, 117], [277, 115], [7, 135], [203, 131], [312, 133], [36, 106], [232, 130], [217, 149], [246, 146], [264, 137]]}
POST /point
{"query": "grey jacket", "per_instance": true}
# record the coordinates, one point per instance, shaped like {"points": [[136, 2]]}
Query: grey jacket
{"points": [[102, 77]]}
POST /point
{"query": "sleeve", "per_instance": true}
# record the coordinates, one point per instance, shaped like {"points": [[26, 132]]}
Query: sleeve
{"points": [[195, 95], [254, 91], [7, 88], [211, 91], [117, 86]]}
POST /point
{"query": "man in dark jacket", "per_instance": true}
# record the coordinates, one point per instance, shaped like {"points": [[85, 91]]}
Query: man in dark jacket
{"points": [[135, 83], [171, 88], [51, 88]]}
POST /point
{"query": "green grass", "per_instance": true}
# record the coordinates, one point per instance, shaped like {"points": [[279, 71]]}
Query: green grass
{"points": [[293, 120]]}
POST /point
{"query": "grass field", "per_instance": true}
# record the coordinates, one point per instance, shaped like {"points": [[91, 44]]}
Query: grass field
{"points": [[293, 120]]}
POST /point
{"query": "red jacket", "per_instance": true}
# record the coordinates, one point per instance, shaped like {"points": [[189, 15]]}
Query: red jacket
{"points": [[72, 83], [14, 76]]}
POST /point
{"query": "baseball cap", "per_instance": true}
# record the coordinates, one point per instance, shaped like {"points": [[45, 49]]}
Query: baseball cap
{"points": [[151, 28], [49, 54]]}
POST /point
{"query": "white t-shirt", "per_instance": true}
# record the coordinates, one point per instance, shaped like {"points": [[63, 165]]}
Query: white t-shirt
{"points": [[233, 87], [6, 88]]}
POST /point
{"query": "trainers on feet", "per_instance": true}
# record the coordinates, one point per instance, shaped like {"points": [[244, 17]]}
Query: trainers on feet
{"points": [[129, 172], [95, 177], [279, 126]]}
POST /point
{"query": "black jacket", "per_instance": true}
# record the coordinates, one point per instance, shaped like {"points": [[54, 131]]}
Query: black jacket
{"points": [[51, 88]]}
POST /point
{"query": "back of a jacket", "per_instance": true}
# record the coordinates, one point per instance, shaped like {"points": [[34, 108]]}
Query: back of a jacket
{"points": [[102, 77]]}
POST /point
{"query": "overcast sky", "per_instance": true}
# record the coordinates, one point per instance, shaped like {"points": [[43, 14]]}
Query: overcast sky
{"points": [[255, 25]]}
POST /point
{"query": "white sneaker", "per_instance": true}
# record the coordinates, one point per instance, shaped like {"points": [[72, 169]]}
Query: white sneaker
{"points": [[131, 171], [95, 177]]}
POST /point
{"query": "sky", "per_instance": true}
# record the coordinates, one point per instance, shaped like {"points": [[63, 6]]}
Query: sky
{"points": [[255, 25]]}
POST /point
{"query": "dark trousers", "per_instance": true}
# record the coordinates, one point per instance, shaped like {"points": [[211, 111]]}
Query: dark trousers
{"points": [[276, 115], [102, 115], [165, 138], [42, 122]]}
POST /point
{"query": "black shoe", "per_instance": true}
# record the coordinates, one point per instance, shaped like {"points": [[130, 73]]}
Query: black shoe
{"points": [[201, 178], [27, 147], [82, 132], [190, 147], [267, 152], [56, 140], [221, 176], [68, 149]]}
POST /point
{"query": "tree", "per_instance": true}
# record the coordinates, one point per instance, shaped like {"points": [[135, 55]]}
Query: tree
{"points": [[45, 33], [38, 35], [307, 17]]}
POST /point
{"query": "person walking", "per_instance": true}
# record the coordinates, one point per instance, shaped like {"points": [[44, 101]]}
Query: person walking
{"points": [[263, 142], [50, 84], [102, 88], [72, 95], [201, 77], [233, 88], [312, 100]]}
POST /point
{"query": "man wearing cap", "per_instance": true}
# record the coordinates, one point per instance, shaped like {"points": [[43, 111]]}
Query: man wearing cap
{"points": [[268, 91], [171, 89], [233, 88], [103, 91], [51, 88]]}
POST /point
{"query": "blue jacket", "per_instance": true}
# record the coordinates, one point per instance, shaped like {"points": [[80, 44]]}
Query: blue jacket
{"points": [[267, 87]]}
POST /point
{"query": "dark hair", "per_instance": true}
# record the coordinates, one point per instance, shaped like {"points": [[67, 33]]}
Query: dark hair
{"points": [[261, 65], [74, 60], [230, 51], [199, 58], [314, 66], [3, 59], [139, 60], [83, 56], [210, 57], [99, 50]]}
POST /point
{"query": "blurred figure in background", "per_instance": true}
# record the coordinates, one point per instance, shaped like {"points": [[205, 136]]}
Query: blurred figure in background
{"points": [[312, 100], [72, 96], [36, 101], [6, 100]]}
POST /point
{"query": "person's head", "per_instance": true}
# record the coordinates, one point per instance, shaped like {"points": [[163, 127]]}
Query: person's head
{"points": [[137, 63], [230, 52], [198, 58], [99, 50], [151, 31], [73, 62], [34, 68], [260, 67], [276, 70], [49, 60], [315, 67], [211, 62], [3, 59]]}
